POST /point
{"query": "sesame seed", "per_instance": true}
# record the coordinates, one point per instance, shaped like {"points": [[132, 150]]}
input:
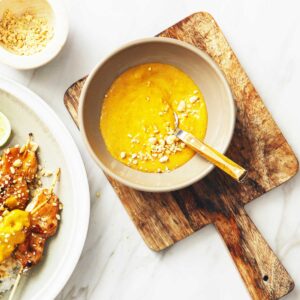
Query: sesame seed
{"points": [[164, 159]]}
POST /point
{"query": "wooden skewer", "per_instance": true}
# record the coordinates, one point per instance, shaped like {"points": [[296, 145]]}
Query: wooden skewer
{"points": [[30, 138], [55, 180], [16, 284]]}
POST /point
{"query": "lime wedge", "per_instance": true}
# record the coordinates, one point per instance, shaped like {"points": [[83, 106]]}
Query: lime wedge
{"points": [[5, 129]]}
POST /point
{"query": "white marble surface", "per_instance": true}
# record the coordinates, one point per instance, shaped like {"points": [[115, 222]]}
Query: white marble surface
{"points": [[115, 263]]}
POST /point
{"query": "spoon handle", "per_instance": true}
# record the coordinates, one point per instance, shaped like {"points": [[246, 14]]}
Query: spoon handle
{"points": [[213, 156]]}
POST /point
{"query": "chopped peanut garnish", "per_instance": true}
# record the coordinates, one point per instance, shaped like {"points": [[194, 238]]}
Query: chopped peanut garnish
{"points": [[181, 106], [24, 34]]}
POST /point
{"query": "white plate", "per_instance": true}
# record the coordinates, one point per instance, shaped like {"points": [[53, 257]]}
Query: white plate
{"points": [[28, 113]]}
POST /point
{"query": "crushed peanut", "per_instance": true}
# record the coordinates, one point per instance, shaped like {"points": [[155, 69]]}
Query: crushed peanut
{"points": [[123, 155], [24, 34], [193, 99], [152, 140], [17, 163], [164, 159], [181, 106]]}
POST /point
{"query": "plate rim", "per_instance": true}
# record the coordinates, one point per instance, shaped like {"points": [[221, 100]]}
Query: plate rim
{"points": [[40, 107]]}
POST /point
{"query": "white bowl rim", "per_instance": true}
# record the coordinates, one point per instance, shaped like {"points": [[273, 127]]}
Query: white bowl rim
{"points": [[79, 179], [89, 79], [55, 45]]}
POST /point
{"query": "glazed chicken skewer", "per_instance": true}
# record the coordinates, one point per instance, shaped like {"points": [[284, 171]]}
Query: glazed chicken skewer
{"points": [[39, 218], [18, 171], [44, 218]]}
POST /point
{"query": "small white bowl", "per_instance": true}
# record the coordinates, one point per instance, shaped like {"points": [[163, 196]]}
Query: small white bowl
{"points": [[55, 12]]}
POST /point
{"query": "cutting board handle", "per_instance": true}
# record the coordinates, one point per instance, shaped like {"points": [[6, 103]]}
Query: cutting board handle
{"points": [[261, 270]]}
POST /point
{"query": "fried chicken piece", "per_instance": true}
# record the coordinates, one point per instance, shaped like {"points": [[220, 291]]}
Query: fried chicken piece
{"points": [[30, 252], [20, 162], [43, 224], [45, 215], [18, 166], [29, 162], [15, 195]]}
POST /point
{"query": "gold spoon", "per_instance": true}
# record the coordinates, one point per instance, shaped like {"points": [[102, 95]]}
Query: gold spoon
{"points": [[212, 155]]}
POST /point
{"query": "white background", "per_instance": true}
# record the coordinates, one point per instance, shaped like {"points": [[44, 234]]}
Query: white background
{"points": [[115, 263]]}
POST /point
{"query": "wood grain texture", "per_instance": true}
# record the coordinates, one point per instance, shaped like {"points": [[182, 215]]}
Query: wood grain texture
{"points": [[258, 144]]}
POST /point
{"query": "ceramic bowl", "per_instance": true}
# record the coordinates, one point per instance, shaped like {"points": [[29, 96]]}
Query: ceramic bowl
{"points": [[27, 113], [54, 12], [205, 73]]}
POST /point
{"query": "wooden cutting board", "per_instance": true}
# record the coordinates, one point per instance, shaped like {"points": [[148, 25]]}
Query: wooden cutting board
{"points": [[162, 219]]}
